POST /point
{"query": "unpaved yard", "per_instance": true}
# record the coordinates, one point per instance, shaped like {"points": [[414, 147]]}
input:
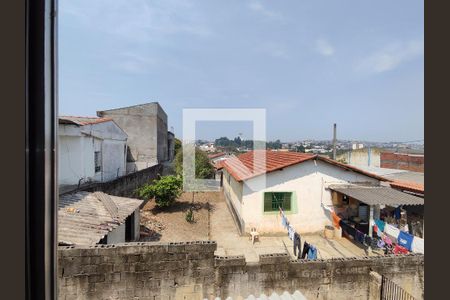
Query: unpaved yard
{"points": [[170, 225], [213, 221]]}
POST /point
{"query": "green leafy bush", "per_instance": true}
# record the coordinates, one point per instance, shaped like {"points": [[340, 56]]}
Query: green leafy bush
{"points": [[165, 190], [203, 168], [190, 216]]}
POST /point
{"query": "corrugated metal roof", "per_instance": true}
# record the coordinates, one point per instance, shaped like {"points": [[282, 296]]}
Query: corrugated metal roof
{"points": [[297, 295], [397, 175], [374, 195], [83, 218]]}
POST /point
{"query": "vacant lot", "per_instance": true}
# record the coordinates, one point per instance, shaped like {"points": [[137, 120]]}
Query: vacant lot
{"points": [[170, 225]]}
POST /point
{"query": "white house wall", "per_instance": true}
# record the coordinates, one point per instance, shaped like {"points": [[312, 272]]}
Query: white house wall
{"points": [[308, 181], [233, 193], [70, 159], [76, 152], [113, 157]]}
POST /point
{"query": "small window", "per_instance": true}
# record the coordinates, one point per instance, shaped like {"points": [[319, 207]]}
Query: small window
{"points": [[98, 161], [274, 201]]}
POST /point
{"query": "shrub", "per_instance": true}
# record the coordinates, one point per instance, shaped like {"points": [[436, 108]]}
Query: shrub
{"points": [[190, 215], [165, 190]]}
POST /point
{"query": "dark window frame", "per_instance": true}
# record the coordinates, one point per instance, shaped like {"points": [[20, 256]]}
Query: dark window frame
{"points": [[41, 148]]}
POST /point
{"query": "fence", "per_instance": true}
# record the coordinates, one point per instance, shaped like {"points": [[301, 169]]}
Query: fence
{"points": [[391, 291]]}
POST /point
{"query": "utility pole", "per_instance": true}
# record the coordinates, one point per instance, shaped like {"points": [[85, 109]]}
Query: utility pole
{"points": [[334, 141]]}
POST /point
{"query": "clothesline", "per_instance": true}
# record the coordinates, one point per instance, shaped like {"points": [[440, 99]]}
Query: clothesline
{"points": [[308, 250]]}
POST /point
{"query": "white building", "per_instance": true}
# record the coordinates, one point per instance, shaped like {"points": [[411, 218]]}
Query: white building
{"points": [[357, 146], [208, 147], [298, 182], [90, 149]]}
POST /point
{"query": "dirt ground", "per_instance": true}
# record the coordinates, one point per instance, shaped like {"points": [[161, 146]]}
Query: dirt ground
{"points": [[213, 221], [170, 225]]}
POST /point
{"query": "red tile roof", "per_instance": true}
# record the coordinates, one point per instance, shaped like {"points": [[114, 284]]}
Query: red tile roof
{"points": [[243, 168], [81, 121], [211, 156], [408, 186], [219, 165]]}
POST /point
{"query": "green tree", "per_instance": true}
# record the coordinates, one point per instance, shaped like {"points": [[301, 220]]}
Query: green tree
{"points": [[165, 190], [177, 146], [203, 168]]}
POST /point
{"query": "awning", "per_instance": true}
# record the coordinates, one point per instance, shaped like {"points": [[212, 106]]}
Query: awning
{"points": [[375, 195]]}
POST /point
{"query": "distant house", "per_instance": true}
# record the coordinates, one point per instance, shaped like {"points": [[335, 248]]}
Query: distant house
{"points": [[215, 157], [361, 157], [297, 182], [90, 149], [209, 147], [148, 137], [217, 160], [96, 218]]}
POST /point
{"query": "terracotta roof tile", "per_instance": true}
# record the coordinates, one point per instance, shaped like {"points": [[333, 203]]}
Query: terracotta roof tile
{"points": [[81, 121], [211, 156], [409, 186], [244, 167]]}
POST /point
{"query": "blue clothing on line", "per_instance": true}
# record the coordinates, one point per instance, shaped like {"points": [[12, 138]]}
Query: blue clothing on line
{"points": [[380, 224], [312, 252], [397, 213], [405, 239]]}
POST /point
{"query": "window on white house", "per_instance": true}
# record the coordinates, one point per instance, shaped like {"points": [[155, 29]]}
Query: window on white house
{"points": [[274, 200], [98, 161]]}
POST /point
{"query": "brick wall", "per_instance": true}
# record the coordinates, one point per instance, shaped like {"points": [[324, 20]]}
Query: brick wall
{"points": [[415, 163], [191, 271]]}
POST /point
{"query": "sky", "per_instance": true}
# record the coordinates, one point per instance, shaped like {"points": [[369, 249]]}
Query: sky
{"points": [[310, 64]]}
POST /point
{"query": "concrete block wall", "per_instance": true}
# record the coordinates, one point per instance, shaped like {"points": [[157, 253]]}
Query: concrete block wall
{"points": [[126, 186], [189, 270]]}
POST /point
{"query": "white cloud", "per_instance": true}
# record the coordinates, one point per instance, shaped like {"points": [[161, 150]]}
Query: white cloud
{"points": [[391, 56], [258, 7], [324, 47], [137, 20]]}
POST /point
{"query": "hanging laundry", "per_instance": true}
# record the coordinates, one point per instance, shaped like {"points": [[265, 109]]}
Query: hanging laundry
{"points": [[347, 229], [397, 213], [291, 232], [297, 244], [284, 221], [380, 243], [305, 250], [380, 224], [359, 236], [418, 245], [336, 219], [405, 239], [312, 252], [400, 250], [392, 231], [368, 240], [374, 243], [386, 239]]}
